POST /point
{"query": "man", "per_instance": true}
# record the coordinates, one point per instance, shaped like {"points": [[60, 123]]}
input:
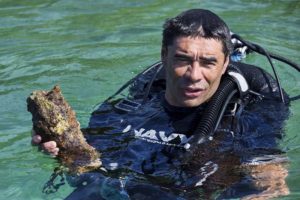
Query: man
{"points": [[147, 146]]}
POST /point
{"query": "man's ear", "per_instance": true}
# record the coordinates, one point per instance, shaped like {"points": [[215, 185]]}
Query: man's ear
{"points": [[226, 63]]}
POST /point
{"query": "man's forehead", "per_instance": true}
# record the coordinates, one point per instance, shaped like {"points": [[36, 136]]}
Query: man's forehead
{"points": [[180, 39], [187, 44]]}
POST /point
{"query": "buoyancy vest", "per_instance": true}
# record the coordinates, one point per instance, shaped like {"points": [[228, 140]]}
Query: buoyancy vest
{"points": [[142, 139], [134, 133]]}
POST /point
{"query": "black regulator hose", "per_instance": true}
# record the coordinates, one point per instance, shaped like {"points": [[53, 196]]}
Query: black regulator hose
{"points": [[206, 124], [260, 50]]}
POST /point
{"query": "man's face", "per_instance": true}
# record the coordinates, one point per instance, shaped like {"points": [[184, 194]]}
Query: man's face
{"points": [[194, 67]]}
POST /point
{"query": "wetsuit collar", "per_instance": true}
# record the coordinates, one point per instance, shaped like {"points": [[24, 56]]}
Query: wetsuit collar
{"points": [[178, 109]]}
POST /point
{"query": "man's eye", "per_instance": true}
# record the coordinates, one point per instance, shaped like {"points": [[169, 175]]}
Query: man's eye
{"points": [[182, 60], [206, 63]]}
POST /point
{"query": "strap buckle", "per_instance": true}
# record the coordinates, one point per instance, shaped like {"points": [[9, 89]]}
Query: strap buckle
{"points": [[127, 105]]}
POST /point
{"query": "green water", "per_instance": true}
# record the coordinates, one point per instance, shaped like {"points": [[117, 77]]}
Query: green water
{"points": [[91, 47]]}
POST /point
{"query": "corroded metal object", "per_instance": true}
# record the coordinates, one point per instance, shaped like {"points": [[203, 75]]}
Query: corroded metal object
{"points": [[54, 120]]}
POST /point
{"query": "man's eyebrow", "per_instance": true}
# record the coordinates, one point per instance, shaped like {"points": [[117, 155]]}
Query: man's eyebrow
{"points": [[208, 59], [182, 55]]}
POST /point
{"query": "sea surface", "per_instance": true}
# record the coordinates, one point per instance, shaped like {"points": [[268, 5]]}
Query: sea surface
{"points": [[90, 48]]}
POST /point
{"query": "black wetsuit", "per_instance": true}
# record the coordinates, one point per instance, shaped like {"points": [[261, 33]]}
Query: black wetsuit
{"points": [[143, 150]]}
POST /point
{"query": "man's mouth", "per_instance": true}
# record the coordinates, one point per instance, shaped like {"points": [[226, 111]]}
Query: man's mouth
{"points": [[193, 92]]}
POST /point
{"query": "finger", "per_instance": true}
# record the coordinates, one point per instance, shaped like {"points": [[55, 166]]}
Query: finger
{"points": [[49, 145], [54, 152], [50, 148], [36, 139]]}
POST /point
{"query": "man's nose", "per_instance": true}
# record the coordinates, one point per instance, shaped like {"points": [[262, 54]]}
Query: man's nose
{"points": [[195, 72]]}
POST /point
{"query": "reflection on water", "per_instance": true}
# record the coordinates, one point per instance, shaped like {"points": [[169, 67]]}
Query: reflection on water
{"points": [[224, 176], [227, 180], [269, 180]]}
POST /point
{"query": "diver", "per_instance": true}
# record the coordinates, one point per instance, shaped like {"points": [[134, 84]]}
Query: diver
{"points": [[188, 122]]}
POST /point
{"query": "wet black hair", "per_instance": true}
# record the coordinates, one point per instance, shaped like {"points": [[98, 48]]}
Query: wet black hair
{"points": [[197, 23]]}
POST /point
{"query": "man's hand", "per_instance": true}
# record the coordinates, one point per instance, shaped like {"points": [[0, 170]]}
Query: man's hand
{"points": [[48, 147]]}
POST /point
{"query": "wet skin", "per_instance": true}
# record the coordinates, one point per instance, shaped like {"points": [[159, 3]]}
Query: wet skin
{"points": [[194, 66]]}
